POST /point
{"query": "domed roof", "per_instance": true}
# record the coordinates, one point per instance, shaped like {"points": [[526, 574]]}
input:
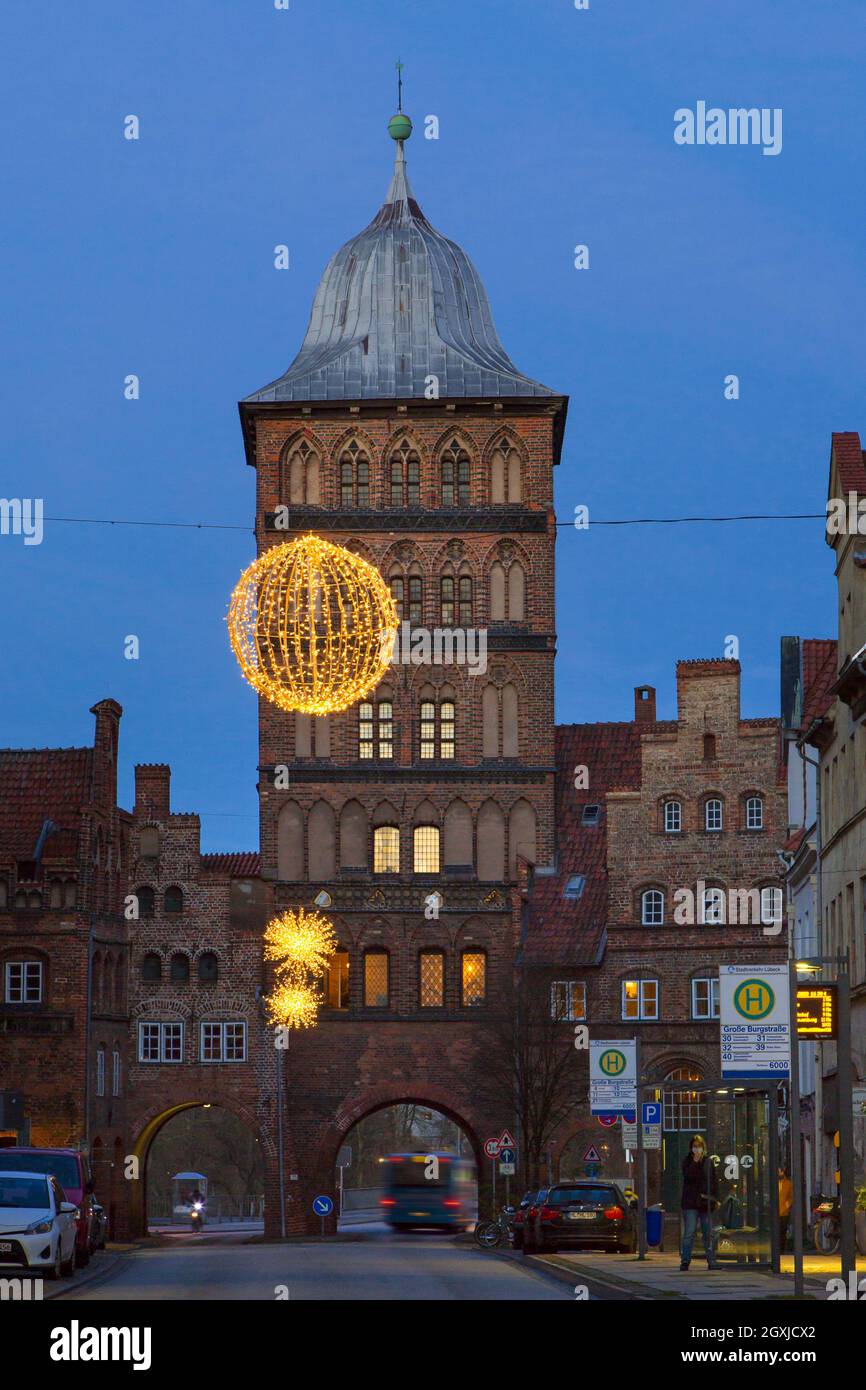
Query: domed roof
{"points": [[397, 304]]}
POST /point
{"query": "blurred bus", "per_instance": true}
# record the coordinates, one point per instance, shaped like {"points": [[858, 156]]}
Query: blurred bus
{"points": [[428, 1189]]}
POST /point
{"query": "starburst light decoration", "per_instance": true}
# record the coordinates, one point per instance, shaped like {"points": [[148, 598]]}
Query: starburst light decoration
{"points": [[291, 1005], [300, 942], [311, 625]]}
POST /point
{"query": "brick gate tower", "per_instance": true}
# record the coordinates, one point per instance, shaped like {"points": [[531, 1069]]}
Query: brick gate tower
{"points": [[403, 431]]}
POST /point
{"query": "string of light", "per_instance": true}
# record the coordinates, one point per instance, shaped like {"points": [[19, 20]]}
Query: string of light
{"points": [[606, 521]]}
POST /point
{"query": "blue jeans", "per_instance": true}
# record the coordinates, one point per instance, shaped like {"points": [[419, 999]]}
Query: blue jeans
{"points": [[690, 1226]]}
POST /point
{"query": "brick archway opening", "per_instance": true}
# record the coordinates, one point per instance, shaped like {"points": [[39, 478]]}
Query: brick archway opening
{"points": [[137, 1213], [427, 1115]]}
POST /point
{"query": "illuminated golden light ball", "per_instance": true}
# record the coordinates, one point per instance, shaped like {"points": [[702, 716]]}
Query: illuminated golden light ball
{"points": [[292, 1005], [309, 624], [300, 942]]}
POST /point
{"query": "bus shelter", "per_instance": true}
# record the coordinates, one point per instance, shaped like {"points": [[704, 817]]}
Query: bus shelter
{"points": [[740, 1124]]}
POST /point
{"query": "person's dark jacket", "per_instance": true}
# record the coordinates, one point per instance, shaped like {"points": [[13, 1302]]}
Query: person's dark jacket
{"points": [[700, 1185]]}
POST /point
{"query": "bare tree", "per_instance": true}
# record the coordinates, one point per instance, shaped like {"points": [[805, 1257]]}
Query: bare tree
{"points": [[533, 1070]]}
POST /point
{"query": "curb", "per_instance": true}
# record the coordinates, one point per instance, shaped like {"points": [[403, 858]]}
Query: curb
{"points": [[92, 1275]]}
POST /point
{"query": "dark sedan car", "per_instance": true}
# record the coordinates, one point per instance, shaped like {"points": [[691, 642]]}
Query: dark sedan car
{"points": [[582, 1215]]}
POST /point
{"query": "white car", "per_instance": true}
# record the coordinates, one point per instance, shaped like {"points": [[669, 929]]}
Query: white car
{"points": [[37, 1224]]}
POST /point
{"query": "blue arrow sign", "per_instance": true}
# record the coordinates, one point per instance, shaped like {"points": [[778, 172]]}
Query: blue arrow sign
{"points": [[323, 1206], [506, 1155], [652, 1112]]}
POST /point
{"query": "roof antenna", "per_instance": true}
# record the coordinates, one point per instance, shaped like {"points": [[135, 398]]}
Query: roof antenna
{"points": [[399, 67]]}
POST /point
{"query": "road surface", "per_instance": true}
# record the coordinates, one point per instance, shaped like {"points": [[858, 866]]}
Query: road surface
{"points": [[414, 1267]]}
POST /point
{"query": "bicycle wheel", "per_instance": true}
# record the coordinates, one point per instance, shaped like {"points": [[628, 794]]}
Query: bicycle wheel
{"points": [[488, 1234], [826, 1236]]}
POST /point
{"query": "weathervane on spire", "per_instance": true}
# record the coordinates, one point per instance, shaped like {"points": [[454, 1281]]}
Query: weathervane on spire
{"points": [[399, 126], [399, 66]]}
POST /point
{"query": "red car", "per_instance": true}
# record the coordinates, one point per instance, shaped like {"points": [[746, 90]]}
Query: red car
{"points": [[526, 1212], [72, 1171]]}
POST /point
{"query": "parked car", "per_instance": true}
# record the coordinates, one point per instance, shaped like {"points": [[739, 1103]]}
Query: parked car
{"points": [[525, 1211], [72, 1171], [99, 1233], [37, 1223], [582, 1215]]}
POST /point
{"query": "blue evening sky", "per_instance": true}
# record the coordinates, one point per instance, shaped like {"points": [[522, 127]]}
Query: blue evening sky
{"points": [[261, 126]]}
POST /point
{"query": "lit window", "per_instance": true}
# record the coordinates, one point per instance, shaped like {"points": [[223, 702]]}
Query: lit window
{"points": [[431, 979], [223, 1042], [673, 817], [771, 906], [428, 729], [754, 813], [23, 982], [713, 907], [386, 729], [705, 998], [376, 979], [446, 729], [473, 978], [426, 849], [640, 999], [652, 907], [568, 1000], [713, 814], [386, 849], [337, 981], [365, 731]]}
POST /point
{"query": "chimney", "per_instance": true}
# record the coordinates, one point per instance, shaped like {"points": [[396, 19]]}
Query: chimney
{"points": [[644, 704], [152, 791], [104, 788]]}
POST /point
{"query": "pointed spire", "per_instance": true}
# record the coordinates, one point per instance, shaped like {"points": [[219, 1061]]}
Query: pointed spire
{"points": [[400, 189]]}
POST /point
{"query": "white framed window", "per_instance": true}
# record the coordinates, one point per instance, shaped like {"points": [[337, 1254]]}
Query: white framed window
{"points": [[673, 817], [755, 813], [115, 1072], [713, 814], [100, 1072], [640, 999], [652, 907], [23, 984], [705, 997], [713, 907], [568, 1000], [771, 906], [160, 1042], [223, 1042]]}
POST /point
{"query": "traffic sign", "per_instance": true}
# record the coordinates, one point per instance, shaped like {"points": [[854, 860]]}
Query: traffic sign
{"points": [[612, 1076], [506, 1140], [592, 1155], [507, 1170], [323, 1206], [505, 1156], [491, 1147], [652, 1112], [755, 1021], [607, 1120]]}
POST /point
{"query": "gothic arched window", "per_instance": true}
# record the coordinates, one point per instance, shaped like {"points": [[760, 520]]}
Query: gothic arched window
{"points": [[354, 476], [405, 476], [454, 465]]}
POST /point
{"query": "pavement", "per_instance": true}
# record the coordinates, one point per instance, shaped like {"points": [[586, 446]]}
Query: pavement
{"points": [[659, 1277]]}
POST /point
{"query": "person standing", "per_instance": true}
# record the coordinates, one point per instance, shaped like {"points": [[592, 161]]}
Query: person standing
{"points": [[786, 1202], [700, 1187]]}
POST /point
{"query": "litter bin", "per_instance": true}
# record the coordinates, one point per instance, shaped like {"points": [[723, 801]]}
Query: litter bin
{"points": [[655, 1225]]}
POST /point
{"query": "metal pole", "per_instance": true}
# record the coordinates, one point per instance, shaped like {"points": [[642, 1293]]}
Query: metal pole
{"points": [[773, 1156], [494, 1213], [845, 1091], [641, 1156], [796, 1148], [281, 1162]]}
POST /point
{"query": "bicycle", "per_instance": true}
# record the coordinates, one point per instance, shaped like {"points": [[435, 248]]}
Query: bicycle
{"points": [[490, 1234], [827, 1227]]}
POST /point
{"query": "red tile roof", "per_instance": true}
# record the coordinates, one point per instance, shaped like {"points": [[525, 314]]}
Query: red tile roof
{"points": [[566, 931], [850, 461], [39, 784], [819, 677], [240, 864]]}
